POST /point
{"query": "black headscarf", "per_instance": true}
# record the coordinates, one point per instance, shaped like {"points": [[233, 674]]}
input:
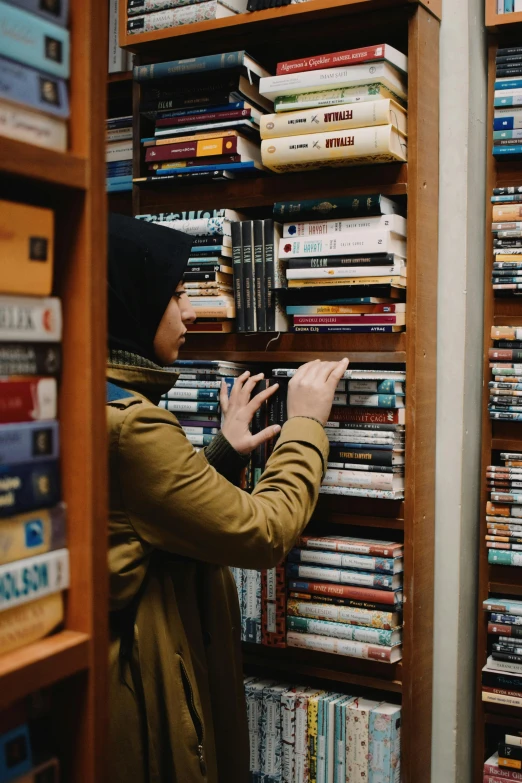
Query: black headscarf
{"points": [[146, 263]]}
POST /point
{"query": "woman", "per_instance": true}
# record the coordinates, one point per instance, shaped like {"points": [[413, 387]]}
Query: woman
{"points": [[177, 523]]}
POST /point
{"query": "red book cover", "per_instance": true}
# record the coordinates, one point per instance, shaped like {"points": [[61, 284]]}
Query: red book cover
{"points": [[202, 119], [273, 607], [344, 591], [27, 399], [198, 162], [353, 545], [491, 767], [367, 415], [334, 60], [361, 320], [192, 149]]}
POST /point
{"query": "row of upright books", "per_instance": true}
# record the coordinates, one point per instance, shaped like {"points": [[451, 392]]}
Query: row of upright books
{"points": [[508, 6], [34, 560], [300, 734], [504, 511], [507, 123], [118, 154], [35, 66], [505, 361]]}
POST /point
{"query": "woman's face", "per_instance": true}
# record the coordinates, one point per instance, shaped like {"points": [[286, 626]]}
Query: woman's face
{"points": [[170, 334]]}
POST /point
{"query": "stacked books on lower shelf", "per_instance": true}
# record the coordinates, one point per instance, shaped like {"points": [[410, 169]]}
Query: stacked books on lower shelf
{"points": [[507, 241], [344, 274], [505, 359], [507, 123], [119, 154], [302, 733], [360, 118], [209, 276], [34, 561], [502, 674], [504, 511], [34, 101], [206, 113], [504, 769]]}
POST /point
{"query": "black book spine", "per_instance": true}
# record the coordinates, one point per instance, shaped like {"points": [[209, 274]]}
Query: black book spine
{"points": [[259, 276], [508, 58], [207, 240], [509, 657], [269, 267], [509, 344], [508, 142], [378, 259], [337, 465], [248, 276], [367, 457], [155, 105], [195, 269], [200, 277], [509, 751], [319, 209], [509, 50], [507, 191], [30, 359], [514, 71], [502, 680], [235, 228]]}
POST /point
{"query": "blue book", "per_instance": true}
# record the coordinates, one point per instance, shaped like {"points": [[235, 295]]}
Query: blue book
{"points": [[55, 11], [216, 249], [507, 134], [124, 180], [507, 150], [35, 441], [15, 753], [120, 188], [506, 84], [24, 85], [239, 167], [26, 486], [508, 122], [192, 394], [31, 40], [508, 100], [167, 115], [211, 62], [509, 6]]}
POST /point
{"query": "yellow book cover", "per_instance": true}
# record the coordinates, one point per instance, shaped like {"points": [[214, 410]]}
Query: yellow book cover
{"points": [[26, 249], [25, 624], [313, 711], [506, 257], [195, 137], [503, 213], [394, 280], [32, 533]]}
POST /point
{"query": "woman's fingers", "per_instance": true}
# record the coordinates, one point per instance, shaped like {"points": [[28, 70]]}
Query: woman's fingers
{"points": [[265, 435], [256, 402], [223, 397]]}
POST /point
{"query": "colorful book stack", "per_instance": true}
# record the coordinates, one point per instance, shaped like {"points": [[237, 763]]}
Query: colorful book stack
{"points": [[34, 42], [299, 733], [145, 16], [34, 563], [508, 7], [504, 511], [333, 116], [507, 241], [505, 360], [507, 122], [206, 114], [19, 757], [502, 770], [502, 674], [119, 154], [208, 279]]}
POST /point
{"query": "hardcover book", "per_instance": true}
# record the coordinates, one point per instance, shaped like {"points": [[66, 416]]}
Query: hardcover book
{"points": [[30, 622], [32, 127], [33, 578], [27, 38], [27, 249], [31, 88], [347, 57]]}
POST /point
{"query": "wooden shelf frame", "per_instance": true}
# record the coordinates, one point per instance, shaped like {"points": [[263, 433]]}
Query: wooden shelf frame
{"points": [[412, 520], [496, 435], [73, 662], [500, 22]]}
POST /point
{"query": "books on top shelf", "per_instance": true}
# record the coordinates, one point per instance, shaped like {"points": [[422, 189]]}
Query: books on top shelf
{"points": [[180, 12], [336, 116], [118, 154], [507, 102], [34, 103], [508, 7], [298, 732], [206, 113]]}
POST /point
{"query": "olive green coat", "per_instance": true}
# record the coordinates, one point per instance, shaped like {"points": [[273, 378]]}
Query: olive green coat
{"points": [[176, 684]]}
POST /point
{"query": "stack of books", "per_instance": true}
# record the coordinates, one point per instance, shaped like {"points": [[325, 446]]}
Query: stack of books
{"points": [[34, 42], [507, 122], [504, 511], [145, 16], [499, 769], [505, 359], [507, 241], [502, 674], [119, 154], [326, 115], [508, 7], [302, 733], [209, 276], [206, 113], [343, 261], [34, 561]]}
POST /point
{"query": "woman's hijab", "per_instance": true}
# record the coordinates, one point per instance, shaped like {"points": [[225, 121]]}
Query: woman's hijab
{"points": [[146, 263]]}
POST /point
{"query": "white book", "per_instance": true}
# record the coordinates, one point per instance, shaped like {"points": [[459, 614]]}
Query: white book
{"points": [[502, 666], [189, 14], [200, 227], [356, 492], [360, 146], [33, 578], [508, 93], [32, 127], [118, 150], [512, 739], [363, 480], [30, 319], [342, 271], [350, 374], [330, 78], [328, 644], [358, 729], [339, 117], [395, 223], [117, 56], [347, 243]]}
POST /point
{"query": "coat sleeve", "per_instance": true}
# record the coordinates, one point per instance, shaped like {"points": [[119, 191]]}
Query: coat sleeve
{"points": [[176, 501]]}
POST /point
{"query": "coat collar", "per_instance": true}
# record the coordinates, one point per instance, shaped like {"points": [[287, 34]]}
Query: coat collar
{"points": [[137, 374]]}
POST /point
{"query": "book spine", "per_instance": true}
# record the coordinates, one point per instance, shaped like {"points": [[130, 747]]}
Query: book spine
{"points": [[117, 57], [15, 753], [340, 742], [35, 577], [384, 746], [217, 146], [259, 279], [252, 606], [347, 320], [351, 560], [302, 757], [343, 591], [248, 275], [26, 319], [348, 242], [273, 762], [348, 57], [27, 359], [31, 534], [307, 81], [24, 85], [364, 415], [377, 581], [190, 407], [30, 622], [375, 259], [200, 12], [313, 715], [274, 607], [37, 43], [33, 127], [342, 614], [339, 630], [394, 223], [230, 114], [346, 328], [28, 400], [238, 276], [30, 442], [326, 273], [497, 772], [27, 486], [212, 62], [335, 118], [344, 207], [54, 12]]}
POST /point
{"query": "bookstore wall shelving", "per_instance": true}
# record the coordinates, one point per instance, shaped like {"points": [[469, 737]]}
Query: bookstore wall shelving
{"points": [[295, 30], [71, 664], [492, 720]]}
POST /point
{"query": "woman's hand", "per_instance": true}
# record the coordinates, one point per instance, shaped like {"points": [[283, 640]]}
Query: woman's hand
{"points": [[239, 410], [311, 390]]}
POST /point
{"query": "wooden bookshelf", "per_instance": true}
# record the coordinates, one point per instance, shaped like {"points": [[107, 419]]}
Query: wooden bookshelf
{"points": [[496, 435], [500, 22], [320, 26], [73, 662]]}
